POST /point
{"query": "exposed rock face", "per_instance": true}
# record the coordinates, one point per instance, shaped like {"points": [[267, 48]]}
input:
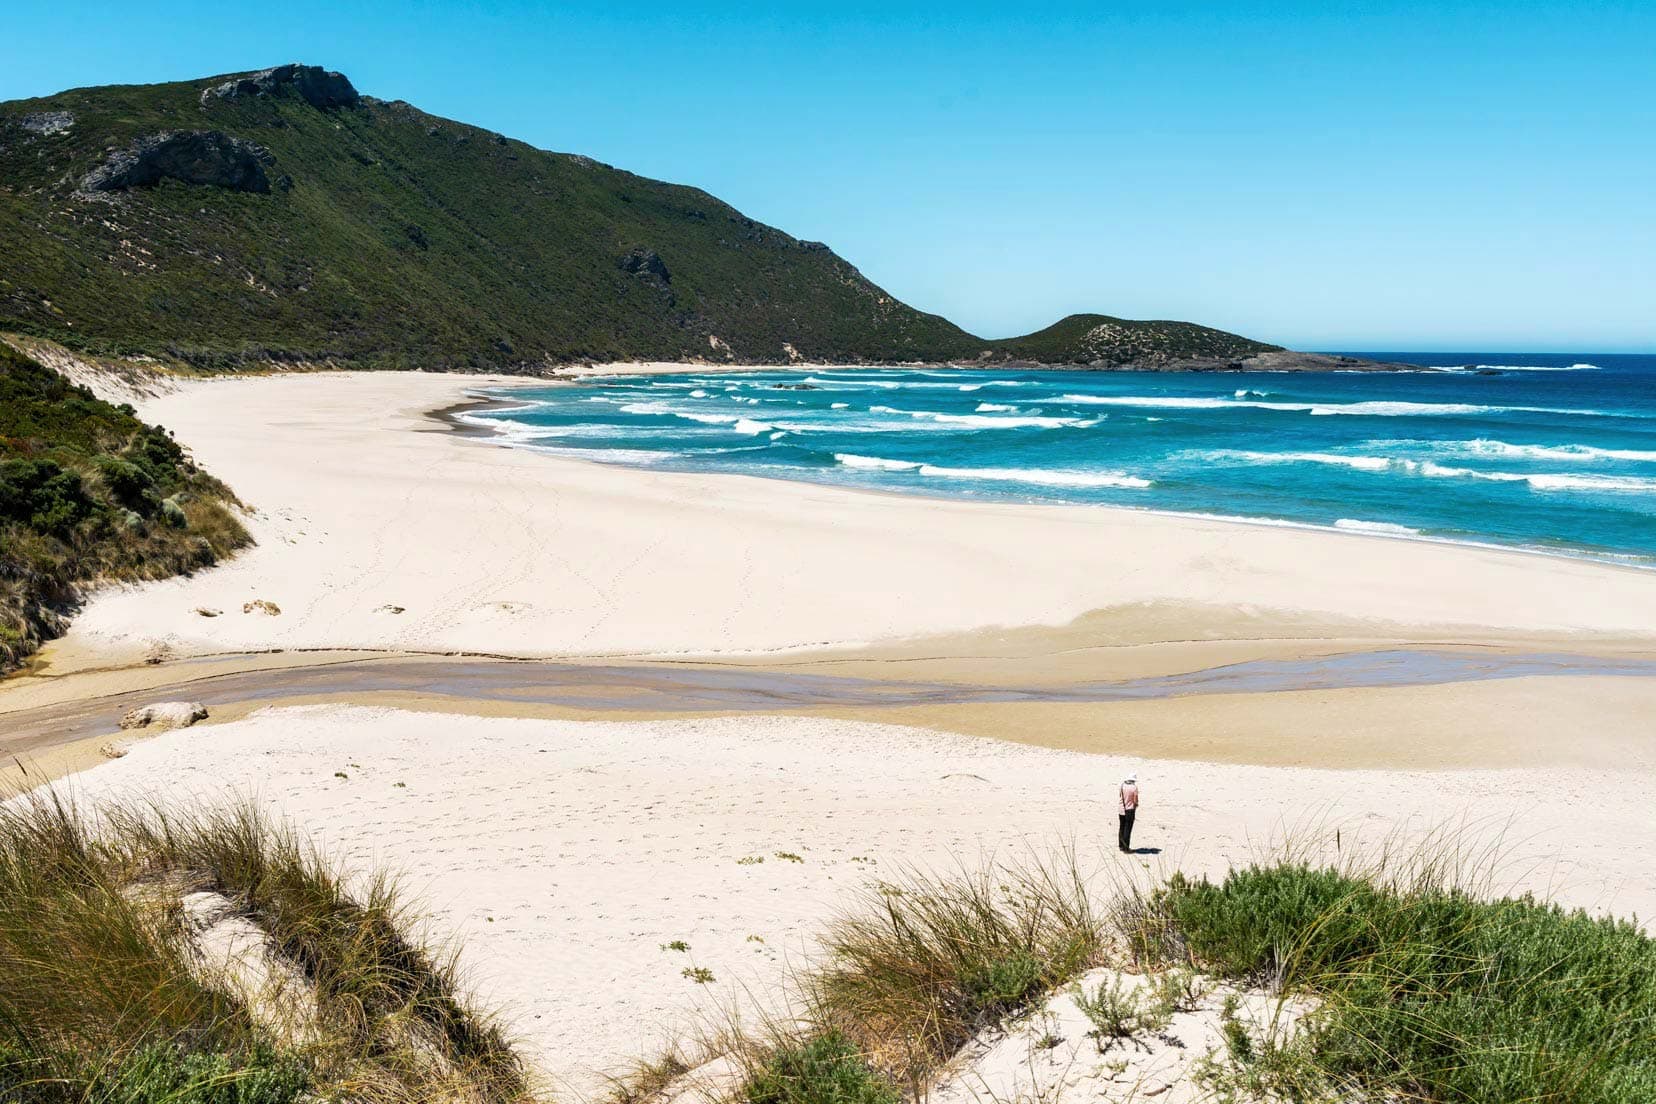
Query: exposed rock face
{"points": [[165, 715], [316, 86], [192, 156], [647, 265], [47, 122]]}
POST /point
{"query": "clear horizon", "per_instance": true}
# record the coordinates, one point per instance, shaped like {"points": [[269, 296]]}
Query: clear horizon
{"points": [[1417, 179]]}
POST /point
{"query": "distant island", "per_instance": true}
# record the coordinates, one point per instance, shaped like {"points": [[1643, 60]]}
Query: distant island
{"points": [[281, 218]]}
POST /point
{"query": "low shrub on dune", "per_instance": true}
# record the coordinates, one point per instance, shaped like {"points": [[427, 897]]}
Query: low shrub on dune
{"points": [[1428, 992]]}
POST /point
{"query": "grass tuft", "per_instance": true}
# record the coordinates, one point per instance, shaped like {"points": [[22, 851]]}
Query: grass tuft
{"points": [[104, 996]]}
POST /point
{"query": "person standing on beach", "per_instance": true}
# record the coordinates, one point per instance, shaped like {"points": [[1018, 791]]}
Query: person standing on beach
{"points": [[1129, 799]]}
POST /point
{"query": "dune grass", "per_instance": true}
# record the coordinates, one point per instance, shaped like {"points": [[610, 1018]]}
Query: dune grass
{"points": [[912, 970], [104, 996]]}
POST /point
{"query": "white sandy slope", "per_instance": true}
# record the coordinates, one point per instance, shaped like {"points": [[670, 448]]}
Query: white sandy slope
{"points": [[565, 854], [499, 550]]}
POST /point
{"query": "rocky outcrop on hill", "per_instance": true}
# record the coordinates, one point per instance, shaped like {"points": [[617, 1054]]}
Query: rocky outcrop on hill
{"points": [[47, 122], [315, 85], [648, 266], [192, 156]]}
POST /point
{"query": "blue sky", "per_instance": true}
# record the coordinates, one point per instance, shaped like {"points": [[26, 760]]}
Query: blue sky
{"points": [[1327, 175]]}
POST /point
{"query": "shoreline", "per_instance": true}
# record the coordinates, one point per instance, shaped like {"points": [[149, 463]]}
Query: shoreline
{"points": [[383, 533], [454, 416]]}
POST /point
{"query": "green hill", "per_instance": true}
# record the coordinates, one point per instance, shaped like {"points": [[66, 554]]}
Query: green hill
{"points": [[281, 217], [1100, 339]]}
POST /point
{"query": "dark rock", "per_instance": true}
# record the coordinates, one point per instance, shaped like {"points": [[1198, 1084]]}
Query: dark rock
{"points": [[503, 346], [814, 247], [316, 86], [192, 156], [647, 265], [47, 122]]}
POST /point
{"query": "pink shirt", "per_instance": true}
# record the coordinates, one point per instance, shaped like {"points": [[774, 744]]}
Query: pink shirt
{"points": [[1129, 797]]}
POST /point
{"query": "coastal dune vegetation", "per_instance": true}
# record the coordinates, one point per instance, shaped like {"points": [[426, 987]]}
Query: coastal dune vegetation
{"points": [[216, 957], [88, 494]]}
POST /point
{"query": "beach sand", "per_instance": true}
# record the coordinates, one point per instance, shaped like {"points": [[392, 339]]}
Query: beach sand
{"points": [[563, 855], [365, 506]]}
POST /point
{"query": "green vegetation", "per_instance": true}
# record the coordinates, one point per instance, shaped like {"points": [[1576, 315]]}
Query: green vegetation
{"points": [[1428, 993], [89, 492], [1118, 1009], [393, 238], [1403, 986], [1109, 342], [379, 236], [105, 996], [825, 1069], [912, 975]]}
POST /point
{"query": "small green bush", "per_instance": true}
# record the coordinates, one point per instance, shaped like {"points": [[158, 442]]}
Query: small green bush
{"points": [[163, 1073], [825, 1069]]}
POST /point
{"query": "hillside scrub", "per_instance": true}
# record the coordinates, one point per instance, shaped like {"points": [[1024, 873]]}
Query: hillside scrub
{"points": [[345, 230], [89, 493]]}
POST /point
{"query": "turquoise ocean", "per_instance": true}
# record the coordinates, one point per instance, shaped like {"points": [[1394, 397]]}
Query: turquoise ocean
{"points": [[1554, 453]]}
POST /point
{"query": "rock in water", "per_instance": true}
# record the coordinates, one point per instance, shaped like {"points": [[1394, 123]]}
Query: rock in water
{"points": [[192, 156], [165, 715], [315, 85]]}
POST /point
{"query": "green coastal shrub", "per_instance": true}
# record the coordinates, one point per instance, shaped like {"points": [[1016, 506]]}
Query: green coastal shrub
{"points": [[824, 1069], [79, 479], [1430, 993]]}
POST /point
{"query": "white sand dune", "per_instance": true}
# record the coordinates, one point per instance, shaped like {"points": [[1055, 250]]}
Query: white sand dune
{"points": [[565, 854], [491, 549]]}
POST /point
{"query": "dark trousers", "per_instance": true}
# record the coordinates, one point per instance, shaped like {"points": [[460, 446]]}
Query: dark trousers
{"points": [[1127, 829]]}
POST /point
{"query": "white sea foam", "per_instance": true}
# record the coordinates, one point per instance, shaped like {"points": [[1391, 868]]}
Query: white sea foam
{"points": [[1039, 476], [1379, 408], [1014, 421], [1387, 527], [874, 463], [750, 427], [996, 408], [605, 456], [1515, 368], [1583, 453], [1540, 481], [839, 406], [1361, 463]]}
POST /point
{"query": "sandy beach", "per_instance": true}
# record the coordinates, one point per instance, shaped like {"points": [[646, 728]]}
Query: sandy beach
{"points": [[366, 507], [564, 855], [565, 844]]}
